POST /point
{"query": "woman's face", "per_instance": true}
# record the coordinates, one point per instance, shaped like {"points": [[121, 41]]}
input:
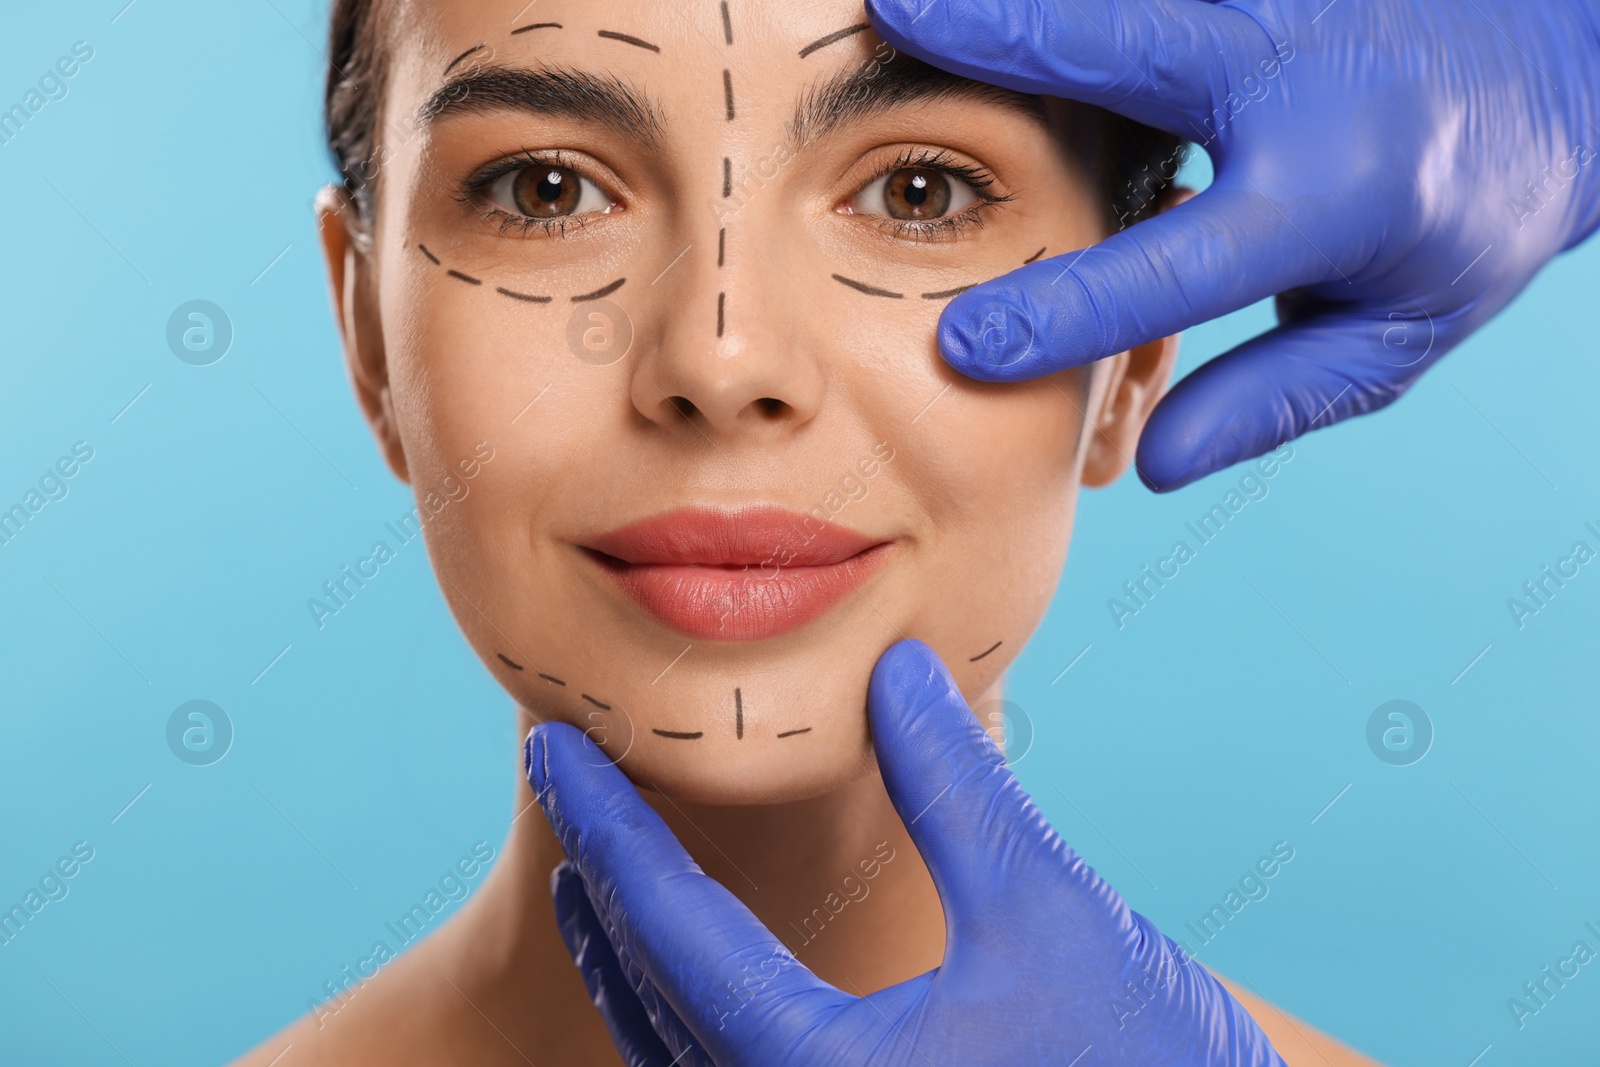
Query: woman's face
{"points": [[648, 322]]}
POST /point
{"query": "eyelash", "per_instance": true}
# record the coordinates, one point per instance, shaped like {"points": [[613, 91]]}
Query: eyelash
{"points": [[473, 187], [979, 179]]}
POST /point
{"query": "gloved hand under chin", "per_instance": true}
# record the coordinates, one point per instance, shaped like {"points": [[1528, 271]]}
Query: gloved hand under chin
{"points": [[1398, 170], [1043, 959]]}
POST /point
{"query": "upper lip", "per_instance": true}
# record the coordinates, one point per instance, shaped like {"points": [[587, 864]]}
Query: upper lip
{"points": [[765, 535]]}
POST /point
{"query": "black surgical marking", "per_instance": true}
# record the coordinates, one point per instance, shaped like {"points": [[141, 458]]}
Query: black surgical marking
{"points": [[469, 279], [613, 35], [596, 703], [429, 254], [984, 653], [727, 23], [722, 245], [604, 290], [462, 56], [738, 714], [838, 35], [727, 176], [957, 291], [1035, 256], [727, 91], [536, 26], [870, 290], [552, 678], [791, 733], [722, 303], [508, 663], [524, 296], [680, 736]]}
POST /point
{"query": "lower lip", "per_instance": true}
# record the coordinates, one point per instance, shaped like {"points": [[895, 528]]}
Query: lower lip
{"points": [[740, 604]]}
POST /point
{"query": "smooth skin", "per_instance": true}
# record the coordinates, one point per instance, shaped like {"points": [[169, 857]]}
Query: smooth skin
{"points": [[1395, 172], [807, 375]]}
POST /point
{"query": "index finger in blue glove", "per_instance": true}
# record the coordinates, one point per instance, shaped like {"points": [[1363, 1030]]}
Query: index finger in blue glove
{"points": [[619, 1003], [1159, 62], [724, 973], [1223, 250]]}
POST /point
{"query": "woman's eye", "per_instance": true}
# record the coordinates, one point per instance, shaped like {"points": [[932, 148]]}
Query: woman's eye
{"points": [[914, 193], [547, 192]]}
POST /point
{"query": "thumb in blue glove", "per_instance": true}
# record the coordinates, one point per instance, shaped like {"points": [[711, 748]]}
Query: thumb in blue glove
{"points": [[1043, 959]]}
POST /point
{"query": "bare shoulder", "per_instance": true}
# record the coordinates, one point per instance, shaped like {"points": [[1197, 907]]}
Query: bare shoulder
{"points": [[1300, 1045]]}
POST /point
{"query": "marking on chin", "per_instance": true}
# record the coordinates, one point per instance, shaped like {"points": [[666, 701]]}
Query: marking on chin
{"points": [[596, 703], [551, 679], [791, 733], [508, 663], [985, 652], [677, 735]]}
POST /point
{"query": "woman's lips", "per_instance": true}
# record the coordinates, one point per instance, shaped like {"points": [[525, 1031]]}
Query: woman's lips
{"points": [[737, 576]]}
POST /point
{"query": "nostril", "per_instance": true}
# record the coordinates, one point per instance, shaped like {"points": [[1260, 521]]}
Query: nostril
{"points": [[772, 407], [684, 406]]}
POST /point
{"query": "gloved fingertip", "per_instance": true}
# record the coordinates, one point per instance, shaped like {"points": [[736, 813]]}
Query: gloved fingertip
{"points": [[907, 679], [535, 762], [989, 335]]}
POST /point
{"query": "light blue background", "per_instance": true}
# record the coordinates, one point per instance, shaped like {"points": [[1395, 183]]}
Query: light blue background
{"points": [[1224, 717]]}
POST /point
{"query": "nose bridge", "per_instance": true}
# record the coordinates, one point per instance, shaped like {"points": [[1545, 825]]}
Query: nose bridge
{"points": [[729, 352]]}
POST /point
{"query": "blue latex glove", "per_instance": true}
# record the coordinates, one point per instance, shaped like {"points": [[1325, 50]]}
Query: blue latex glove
{"points": [[1373, 164], [1042, 957]]}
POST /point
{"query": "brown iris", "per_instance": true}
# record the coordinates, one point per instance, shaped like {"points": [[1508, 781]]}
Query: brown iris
{"points": [[546, 192], [914, 193]]}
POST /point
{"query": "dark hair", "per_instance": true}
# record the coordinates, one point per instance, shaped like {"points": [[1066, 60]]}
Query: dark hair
{"points": [[1132, 164]]}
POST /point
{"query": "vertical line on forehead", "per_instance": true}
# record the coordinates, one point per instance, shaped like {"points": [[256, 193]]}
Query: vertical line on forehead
{"points": [[727, 23], [727, 177], [727, 90], [722, 245], [722, 304]]}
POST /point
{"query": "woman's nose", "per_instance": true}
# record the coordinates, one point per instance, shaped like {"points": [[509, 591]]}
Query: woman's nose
{"points": [[731, 353]]}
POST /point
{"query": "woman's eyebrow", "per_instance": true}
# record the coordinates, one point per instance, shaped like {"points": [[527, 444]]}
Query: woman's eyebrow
{"points": [[866, 90], [573, 94]]}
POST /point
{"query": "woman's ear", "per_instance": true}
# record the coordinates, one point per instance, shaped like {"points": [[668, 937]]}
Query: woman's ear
{"points": [[1137, 380], [352, 281]]}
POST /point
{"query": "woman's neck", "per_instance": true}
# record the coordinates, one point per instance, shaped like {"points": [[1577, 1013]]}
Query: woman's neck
{"points": [[835, 878]]}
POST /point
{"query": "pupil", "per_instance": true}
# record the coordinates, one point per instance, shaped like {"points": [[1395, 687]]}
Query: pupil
{"points": [[549, 190], [917, 192]]}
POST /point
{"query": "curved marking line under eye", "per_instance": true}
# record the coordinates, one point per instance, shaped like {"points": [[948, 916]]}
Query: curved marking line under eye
{"points": [[469, 279], [984, 653], [508, 663], [1035, 256], [942, 294], [524, 297], [552, 678], [463, 55], [429, 254], [676, 735], [605, 290], [596, 703], [536, 26], [613, 35], [838, 35], [791, 733], [870, 290]]}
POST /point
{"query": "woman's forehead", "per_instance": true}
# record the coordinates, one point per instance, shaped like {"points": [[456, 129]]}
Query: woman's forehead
{"points": [[692, 32]]}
